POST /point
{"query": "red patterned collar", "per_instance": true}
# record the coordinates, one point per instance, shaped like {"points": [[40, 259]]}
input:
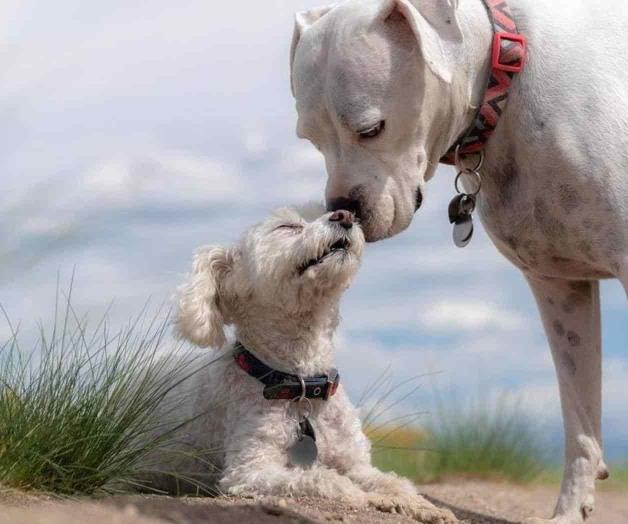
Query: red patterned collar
{"points": [[508, 59], [285, 386]]}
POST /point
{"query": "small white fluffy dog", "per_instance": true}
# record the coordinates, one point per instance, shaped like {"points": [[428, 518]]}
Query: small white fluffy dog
{"points": [[280, 289]]}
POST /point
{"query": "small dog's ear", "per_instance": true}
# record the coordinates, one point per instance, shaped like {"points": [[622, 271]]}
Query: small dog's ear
{"points": [[302, 21], [201, 315], [435, 28]]}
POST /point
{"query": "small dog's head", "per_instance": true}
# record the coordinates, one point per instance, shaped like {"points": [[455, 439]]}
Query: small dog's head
{"points": [[294, 264]]}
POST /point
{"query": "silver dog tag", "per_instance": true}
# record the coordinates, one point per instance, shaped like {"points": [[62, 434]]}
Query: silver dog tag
{"points": [[463, 231], [460, 214], [304, 452]]}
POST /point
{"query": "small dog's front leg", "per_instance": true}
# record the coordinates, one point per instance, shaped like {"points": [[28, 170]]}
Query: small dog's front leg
{"points": [[372, 480], [272, 479], [385, 491], [390, 493], [255, 468], [571, 316]]}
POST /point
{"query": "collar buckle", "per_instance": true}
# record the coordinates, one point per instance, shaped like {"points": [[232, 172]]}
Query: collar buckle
{"points": [[509, 52], [333, 378]]}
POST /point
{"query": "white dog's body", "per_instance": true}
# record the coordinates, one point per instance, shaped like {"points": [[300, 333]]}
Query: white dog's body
{"points": [[554, 196], [280, 290]]}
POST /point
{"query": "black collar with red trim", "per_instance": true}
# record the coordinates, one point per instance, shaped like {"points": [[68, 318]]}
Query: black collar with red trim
{"points": [[508, 58], [286, 386]]}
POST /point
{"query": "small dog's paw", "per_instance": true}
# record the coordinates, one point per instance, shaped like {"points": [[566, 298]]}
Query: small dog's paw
{"points": [[241, 491], [358, 502], [434, 515], [416, 507], [396, 487]]}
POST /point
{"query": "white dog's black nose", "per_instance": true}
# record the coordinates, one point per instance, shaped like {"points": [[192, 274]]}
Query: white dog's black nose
{"points": [[343, 217]]}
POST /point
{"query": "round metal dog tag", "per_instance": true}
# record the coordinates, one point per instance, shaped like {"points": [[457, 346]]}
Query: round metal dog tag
{"points": [[463, 231], [303, 452]]}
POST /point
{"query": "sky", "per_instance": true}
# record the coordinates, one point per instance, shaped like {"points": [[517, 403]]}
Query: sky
{"points": [[132, 135]]}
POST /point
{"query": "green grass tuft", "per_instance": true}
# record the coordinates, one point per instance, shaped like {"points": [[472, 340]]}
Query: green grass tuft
{"points": [[463, 441], [481, 441], [77, 410]]}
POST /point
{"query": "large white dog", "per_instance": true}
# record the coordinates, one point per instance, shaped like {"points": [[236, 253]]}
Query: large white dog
{"points": [[279, 289], [384, 88]]}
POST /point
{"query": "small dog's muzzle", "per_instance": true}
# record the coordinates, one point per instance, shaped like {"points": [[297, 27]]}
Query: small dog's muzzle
{"points": [[344, 218]]}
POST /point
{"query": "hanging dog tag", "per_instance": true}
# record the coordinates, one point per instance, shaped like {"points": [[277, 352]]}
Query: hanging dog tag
{"points": [[463, 231], [460, 210], [455, 208], [304, 451]]}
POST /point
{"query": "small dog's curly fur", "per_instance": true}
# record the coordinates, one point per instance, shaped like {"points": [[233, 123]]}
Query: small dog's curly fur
{"points": [[280, 289]]}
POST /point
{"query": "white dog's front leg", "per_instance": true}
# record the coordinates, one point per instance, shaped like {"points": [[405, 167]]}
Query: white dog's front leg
{"points": [[571, 316], [623, 274]]}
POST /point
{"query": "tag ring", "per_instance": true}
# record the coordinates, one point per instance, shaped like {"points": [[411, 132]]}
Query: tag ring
{"points": [[303, 390], [458, 162], [468, 172], [304, 413]]}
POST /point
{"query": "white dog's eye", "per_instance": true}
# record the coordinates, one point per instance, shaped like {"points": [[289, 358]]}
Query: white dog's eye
{"points": [[373, 131], [294, 227]]}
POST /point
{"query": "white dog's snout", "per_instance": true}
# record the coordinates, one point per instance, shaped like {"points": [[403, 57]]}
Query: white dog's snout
{"points": [[352, 205]]}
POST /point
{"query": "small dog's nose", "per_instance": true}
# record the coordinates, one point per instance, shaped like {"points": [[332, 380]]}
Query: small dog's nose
{"points": [[345, 204], [343, 217]]}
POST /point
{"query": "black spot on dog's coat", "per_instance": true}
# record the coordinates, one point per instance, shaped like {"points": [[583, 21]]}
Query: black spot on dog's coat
{"points": [[506, 181], [577, 298], [581, 288], [569, 198], [559, 329], [549, 225], [573, 338], [560, 260], [569, 307]]}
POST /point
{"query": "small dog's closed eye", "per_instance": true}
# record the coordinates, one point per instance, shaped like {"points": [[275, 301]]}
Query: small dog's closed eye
{"points": [[274, 407]]}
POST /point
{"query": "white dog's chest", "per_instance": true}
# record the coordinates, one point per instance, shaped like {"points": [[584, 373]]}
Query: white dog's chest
{"points": [[553, 229]]}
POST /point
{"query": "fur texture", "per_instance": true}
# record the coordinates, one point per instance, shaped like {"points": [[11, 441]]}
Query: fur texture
{"points": [[554, 198], [279, 289]]}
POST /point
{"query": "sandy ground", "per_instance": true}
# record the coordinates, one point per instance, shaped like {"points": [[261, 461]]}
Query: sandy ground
{"points": [[473, 502]]}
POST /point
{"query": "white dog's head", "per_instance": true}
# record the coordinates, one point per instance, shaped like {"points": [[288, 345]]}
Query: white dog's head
{"points": [[374, 82], [293, 266]]}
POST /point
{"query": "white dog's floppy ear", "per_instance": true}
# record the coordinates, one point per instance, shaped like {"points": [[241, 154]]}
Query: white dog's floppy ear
{"points": [[200, 315], [302, 22], [435, 27]]}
